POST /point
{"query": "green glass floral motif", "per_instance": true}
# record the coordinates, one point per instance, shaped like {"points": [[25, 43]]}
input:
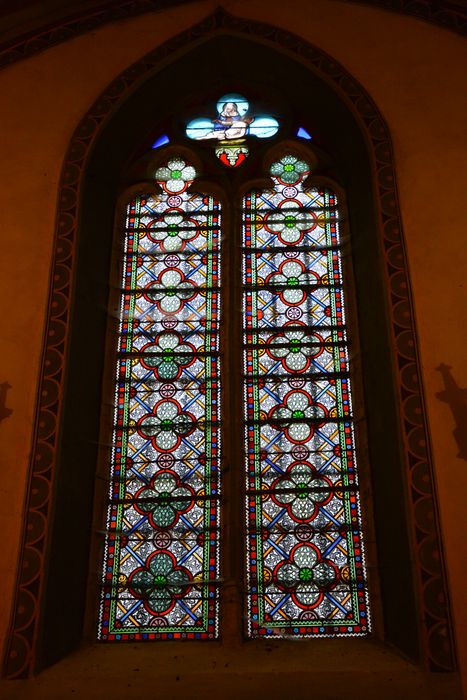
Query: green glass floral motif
{"points": [[289, 170], [297, 405], [175, 176], [290, 223], [165, 500], [166, 425], [171, 291], [168, 355], [302, 491], [306, 576], [289, 279], [173, 231], [292, 348], [160, 583]]}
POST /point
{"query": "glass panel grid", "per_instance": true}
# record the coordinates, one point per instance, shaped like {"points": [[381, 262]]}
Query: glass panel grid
{"points": [[161, 570], [305, 571]]}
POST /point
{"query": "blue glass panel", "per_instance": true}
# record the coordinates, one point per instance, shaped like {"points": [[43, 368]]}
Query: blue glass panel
{"points": [[161, 141], [303, 133], [199, 129], [264, 127]]}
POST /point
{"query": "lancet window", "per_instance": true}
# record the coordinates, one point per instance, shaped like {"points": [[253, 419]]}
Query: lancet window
{"points": [[302, 572]]}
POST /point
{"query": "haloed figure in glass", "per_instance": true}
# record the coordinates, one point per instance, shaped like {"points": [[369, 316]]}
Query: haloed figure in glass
{"points": [[230, 124]]}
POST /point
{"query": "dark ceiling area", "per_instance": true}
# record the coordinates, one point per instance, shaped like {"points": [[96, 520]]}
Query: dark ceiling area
{"points": [[51, 21]]}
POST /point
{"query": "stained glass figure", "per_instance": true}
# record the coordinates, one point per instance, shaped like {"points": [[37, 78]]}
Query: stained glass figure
{"points": [[162, 549], [306, 574], [232, 124]]}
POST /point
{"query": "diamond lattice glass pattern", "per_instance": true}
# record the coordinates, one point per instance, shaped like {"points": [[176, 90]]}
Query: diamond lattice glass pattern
{"points": [[306, 573], [161, 556]]}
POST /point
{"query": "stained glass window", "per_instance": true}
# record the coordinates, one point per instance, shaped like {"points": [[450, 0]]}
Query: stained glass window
{"points": [[304, 549], [161, 556], [305, 572]]}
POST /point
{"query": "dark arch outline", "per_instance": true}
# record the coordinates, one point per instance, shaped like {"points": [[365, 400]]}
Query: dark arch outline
{"points": [[445, 14], [436, 629]]}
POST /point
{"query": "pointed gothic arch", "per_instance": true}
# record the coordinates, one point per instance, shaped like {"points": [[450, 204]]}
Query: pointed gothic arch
{"points": [[98, 150]]}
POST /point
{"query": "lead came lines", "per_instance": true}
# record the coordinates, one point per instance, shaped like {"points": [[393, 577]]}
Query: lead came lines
{"points": [[305, 567]]}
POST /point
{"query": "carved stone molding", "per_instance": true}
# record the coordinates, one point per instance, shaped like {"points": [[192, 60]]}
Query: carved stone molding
{"points": [[449, 15]]}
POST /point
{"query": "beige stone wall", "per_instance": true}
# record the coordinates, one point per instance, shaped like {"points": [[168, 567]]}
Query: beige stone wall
{"points": [[415, 72]]}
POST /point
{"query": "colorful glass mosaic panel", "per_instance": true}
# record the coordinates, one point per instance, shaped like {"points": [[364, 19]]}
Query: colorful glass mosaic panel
{"points": [[306, 574], [161, 568]]}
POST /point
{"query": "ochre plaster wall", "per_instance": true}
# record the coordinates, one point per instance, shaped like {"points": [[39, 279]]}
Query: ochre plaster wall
{"points": [[413, 71]]}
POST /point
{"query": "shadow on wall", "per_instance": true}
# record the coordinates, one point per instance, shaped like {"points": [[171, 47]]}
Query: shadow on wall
{"points": [[4, 411], [457, 400]]}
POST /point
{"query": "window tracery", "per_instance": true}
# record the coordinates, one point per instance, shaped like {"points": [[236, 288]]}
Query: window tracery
{"points": [[162, 547], [306, 572], [305, 568]]}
